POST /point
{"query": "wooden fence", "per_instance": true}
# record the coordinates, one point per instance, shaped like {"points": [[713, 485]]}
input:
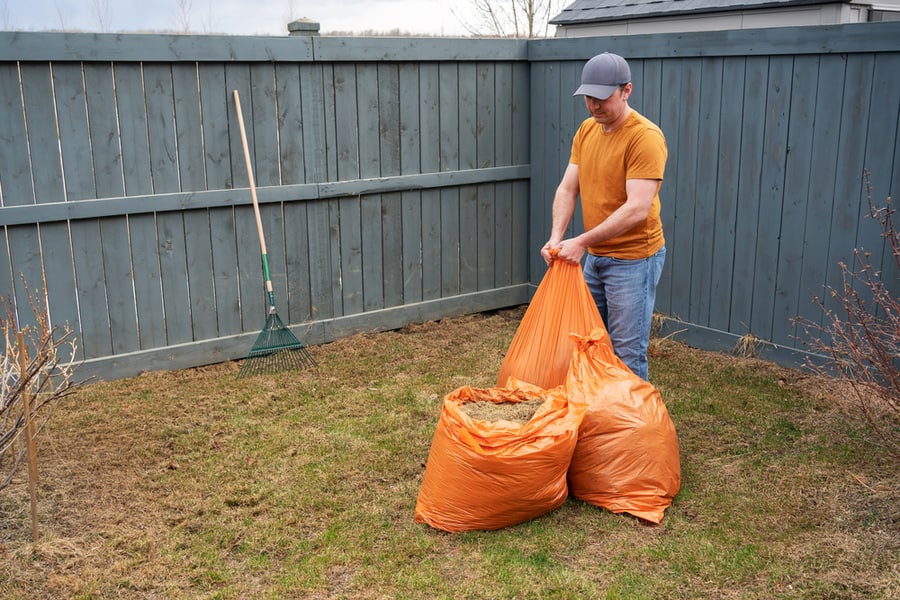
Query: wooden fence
{"points": [[407, 179], [769, 132], [392, 177]]}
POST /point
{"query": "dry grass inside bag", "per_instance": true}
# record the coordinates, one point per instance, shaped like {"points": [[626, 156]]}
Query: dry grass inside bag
{"points": [[516, 412]]}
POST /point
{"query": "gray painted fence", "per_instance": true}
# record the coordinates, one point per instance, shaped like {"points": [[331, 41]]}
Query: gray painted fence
{"points": [[409, 179], [392, 177], [769, 134]]}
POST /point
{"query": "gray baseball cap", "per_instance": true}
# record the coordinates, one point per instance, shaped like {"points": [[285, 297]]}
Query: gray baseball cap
{"points": [[602, 75]]}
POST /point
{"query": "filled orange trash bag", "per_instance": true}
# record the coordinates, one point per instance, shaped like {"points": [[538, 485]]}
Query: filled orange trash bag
{"points": [[627, 457], [484, 475], [542, 348]]}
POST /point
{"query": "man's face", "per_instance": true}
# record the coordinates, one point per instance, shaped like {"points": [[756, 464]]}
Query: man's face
{"points": [[610, 111]]}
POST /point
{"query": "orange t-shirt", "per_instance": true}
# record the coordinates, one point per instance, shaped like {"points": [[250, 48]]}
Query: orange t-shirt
{"points": [[636, 150]]}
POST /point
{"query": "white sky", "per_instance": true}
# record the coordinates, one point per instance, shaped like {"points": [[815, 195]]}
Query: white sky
{"points": [[241, 17]]}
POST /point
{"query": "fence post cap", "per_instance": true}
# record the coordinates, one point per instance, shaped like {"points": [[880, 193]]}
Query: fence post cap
{"points": [[303, 26]]}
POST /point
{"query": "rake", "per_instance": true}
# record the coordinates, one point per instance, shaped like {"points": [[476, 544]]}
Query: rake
{"points": [[276, 348]]}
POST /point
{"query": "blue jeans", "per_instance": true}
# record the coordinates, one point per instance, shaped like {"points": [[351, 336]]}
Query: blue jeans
{"points": [[625, 293]]}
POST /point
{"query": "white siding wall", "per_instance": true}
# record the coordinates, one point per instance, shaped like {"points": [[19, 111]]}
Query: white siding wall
{"points": [[830, 14]]}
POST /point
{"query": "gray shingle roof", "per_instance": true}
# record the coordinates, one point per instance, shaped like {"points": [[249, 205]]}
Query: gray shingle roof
{"points": [[599, 11]]}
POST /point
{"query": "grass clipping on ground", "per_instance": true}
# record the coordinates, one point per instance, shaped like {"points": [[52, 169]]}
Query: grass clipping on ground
{"points": [[196, 484]]}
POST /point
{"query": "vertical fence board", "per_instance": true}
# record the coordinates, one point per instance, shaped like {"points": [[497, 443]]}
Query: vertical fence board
{"points": [[94, 314], [823, 171], [848, 189], [195, 301], [134, 280], [391, 218], [188, 127], [450, 219], [686, 231], [215, 98], [543, 143], [160, 103], [521, 246], [133, 133], [430, 155], [350, 213], [675, 280], [468, 195], [174, 275], [392, 254], [43, 139], [22, 240], [60, 276], [224, 260], [218, 116], [168, 160], [105, 150], [335, 248], [748, 219], [801, 123], [262, 109], [704, 231], [371, 250], [292, 156], [297, 261], [412, 94], [486, 227], [881, 146], [313, 105], [726, 191], [131, 300], [74, 138], [290, 124], [200, 275], [15, 172], [772, 177]]}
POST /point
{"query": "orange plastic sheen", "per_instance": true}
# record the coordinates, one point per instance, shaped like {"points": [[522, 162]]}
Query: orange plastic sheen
{"points": [[485, 475], [541, 349], [627, 457]]}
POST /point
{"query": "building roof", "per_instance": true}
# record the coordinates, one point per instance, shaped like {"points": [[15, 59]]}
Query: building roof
{"points": [[599, 11]]}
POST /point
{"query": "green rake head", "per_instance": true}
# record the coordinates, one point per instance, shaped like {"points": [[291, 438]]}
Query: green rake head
{"points": [[276, 349]]}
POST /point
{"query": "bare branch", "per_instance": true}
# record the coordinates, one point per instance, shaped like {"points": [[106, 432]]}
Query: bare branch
{"points": [[861, 336], [506, 18]]}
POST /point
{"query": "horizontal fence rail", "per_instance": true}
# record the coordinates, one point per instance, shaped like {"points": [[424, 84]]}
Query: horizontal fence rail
{"points": [[406, 179]]}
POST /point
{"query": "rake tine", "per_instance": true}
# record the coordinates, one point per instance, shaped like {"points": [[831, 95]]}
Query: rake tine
{"points": [[276, 349]]}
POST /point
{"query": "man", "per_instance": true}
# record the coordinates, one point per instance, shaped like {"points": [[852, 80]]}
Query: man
{"points": [[616, 165]]}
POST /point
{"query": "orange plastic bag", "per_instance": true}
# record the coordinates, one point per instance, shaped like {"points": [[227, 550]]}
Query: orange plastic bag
{"points": [[627, 457], [484, 475], [541, 349]]}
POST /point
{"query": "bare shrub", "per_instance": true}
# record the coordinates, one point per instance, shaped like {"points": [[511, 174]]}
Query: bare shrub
{"points": [[45, 379], [861, 336]]}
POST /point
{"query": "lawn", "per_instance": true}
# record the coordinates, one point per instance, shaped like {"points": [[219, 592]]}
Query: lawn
{"points": [[197, 484]]}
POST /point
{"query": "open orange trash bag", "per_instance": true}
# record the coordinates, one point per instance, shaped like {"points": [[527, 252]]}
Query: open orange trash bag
{"points": [[541, 348], [485, 475], [627, 457]]}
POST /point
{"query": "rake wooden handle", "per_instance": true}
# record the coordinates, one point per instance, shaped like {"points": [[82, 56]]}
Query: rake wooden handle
{"points": [[240, 117]]}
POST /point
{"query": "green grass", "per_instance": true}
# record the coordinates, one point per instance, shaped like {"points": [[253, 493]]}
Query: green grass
{"points": [[196, 484]]}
